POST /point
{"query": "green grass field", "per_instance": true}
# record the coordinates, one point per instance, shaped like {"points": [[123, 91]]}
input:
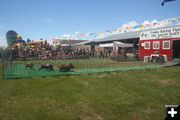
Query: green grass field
{"points": [[18, 69], [125, 95]]}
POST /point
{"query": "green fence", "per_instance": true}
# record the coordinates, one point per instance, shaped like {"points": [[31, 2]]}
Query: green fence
{"points": [[17, 68]]}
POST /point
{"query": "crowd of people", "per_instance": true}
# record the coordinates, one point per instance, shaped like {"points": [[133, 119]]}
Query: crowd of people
{"points": [[47, 51]]}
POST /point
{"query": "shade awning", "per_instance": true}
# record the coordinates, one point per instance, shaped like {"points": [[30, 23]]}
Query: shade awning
{"points": [[116, 44]]}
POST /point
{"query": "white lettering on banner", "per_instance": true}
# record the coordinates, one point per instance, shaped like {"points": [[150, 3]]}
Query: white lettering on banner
{"points": [[172, 32]]}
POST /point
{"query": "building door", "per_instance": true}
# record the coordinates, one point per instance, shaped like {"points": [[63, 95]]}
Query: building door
{"points": [[176, 48]]}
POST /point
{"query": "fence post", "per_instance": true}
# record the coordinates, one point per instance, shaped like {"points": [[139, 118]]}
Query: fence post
{"points": [[2, 65]]}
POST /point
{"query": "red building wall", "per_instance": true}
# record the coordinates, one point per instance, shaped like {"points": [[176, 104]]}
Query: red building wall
{"points": [[148, 52]]}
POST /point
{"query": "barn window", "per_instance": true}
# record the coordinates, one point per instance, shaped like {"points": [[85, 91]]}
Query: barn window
{"points": [[147, 45], [166, 44], [156, 45]]}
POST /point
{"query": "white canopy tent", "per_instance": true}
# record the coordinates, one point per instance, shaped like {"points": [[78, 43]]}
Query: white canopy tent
{"points": [[116, 44]]}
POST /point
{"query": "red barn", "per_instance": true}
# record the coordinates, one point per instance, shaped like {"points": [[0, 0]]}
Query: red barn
{"points": [[160, 42]]}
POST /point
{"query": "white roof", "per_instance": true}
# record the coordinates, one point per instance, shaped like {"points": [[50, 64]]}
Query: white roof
{"points": [[160, 33], [129, 35], [116, 44]]}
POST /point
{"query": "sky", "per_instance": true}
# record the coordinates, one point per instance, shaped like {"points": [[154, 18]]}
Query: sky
{"points": [[47, 19]]}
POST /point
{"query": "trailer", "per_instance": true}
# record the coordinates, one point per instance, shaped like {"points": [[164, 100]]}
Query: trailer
{"points": [[160, 45]]}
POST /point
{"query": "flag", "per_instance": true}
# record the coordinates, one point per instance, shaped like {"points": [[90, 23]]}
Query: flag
{"points": [[99, 33], [140, 26], [87, 34], [166, 1], [164, 22], [107, 31], [175, 19], [136, 26], [91, 33], [115, 29], [82, 34]]}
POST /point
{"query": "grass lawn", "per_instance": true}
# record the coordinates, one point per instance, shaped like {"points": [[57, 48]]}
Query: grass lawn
{"points": [[125, 95]]}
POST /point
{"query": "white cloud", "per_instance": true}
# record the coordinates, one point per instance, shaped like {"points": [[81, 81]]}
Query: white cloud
{"points": [[77, 32], [130, 24], [160, 23], [154, 21], [68, 37], [2, 37], [3, 41], [146, 22]]}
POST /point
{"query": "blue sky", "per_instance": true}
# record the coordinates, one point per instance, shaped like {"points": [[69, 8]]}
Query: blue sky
{"points": [[46, 19]]}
